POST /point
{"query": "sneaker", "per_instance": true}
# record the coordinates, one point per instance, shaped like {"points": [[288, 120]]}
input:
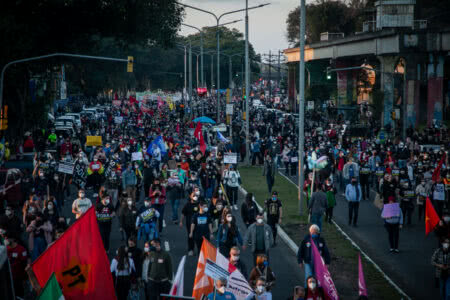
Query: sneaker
{"points": [[235, 207], [396, 251], [391, 250], [191, 253]]}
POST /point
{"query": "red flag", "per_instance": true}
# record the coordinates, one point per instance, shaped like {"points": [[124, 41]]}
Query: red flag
{"points": [[431, 217], [199, 135], [178, 128], [79, 262], [437, 171]]}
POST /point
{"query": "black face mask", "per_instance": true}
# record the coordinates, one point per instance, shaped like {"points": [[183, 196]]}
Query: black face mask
{"points": [[354, 182]]}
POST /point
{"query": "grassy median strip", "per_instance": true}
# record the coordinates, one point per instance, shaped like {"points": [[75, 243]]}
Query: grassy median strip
{"points": [[344, 257]]}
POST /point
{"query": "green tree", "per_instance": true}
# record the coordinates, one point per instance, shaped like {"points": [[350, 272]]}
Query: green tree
{"points": [[324, 16]]}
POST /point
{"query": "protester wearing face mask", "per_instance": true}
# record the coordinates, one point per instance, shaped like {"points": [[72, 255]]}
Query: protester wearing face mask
{"points": [[160, 271], [232, 180], [201, 226], [105, 213], [393, 223], [188, 211], [41, 184], [274, 210], [353, 195], [237, 262], [57, 190], [122, 269], [81, 204], [422, 195], [259, 237], [228, 234], [50, 211], [157, 195], [304, 254], [249, 210], [219, 292], [441, 261], [313, 291], [39, 235], [260, 292], [10, 222], [145, 269], [18, 260], [146, 221], [262, 269], [129, 181], [442, 230]]}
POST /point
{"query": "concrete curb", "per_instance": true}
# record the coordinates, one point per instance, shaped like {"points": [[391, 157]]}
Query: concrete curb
{"points": [[283, 235], [288, 240]]}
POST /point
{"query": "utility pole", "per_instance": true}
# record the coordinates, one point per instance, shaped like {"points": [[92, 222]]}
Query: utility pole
{"points": [[270, 75], [247, 88], [185, 74], [301, 119], [279, 69], [190, 76]]}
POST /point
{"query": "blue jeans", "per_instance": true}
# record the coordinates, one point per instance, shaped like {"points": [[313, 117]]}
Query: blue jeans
{"points": [[401, 163], [39, 246], [317, 219], [175, 204], [340, 180], [160, 209], [444, 288], [309, 271]]}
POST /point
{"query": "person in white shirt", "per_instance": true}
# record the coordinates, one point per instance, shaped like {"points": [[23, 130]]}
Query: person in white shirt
{"points": [[232, 180], [81, 204]]}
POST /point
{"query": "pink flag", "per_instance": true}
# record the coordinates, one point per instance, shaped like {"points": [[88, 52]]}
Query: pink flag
{"points": [[323, 276], [361, 281], [160, 102]]}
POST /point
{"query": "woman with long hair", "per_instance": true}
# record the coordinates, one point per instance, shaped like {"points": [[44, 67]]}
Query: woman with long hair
{"points": [[122, 268], [228, 234]]}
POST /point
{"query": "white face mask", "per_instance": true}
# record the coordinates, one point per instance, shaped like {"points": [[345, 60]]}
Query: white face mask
{"points": [[129, 203], [50, 206], [234, 257], [259, 221], [107, 201], [219, 207], [81, 195], [8, 212], [195, 198], [147, 204], [446, 219], [445, 245], [312, 285], [205, 209], [197, 193], [221, 289], [229, 219], [260, 289], [146, 249]]}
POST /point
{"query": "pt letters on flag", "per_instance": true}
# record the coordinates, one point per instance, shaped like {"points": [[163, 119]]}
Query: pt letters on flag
{"points": [[79, 262]]}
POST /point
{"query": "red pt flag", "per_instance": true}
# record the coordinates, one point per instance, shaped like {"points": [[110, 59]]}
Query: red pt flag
{"points": [[79, 262], [431, 217]]}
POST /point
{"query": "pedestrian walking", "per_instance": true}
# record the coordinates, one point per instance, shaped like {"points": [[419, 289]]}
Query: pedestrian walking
{"points": [[81, 204], [259, 237], [274, 210], [129, 181], [235, 260], [318, 205], [249, 209], [157, 195], [219, 292], [262, 269], [269, 172], [393, 222], [260, 291], [441, 261], [159, 271], [228, 234], [232, 180], [187, 213], [331, 200], [127, 218], [304, 254], [353, 196], [201, 226], [105, 213], [122, 269]]}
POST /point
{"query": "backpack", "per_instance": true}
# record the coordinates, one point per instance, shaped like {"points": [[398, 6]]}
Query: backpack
{"points": [[351, 171]]}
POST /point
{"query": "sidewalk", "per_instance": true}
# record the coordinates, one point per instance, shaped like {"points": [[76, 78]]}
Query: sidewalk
{"points": [[411, 268]]}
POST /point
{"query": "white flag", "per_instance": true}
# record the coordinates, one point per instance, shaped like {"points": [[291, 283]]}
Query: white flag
{"points": [[178, 282]]}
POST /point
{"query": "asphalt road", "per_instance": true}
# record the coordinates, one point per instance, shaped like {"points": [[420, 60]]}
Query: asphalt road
{"points": [[282, 261], [410, 269]]}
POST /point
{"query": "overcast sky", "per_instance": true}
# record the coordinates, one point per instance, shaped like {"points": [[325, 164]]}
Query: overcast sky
{"points": [[267, 25]]}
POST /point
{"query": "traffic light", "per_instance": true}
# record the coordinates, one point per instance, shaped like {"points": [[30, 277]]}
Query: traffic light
{"points": [[130, 64], [328, 73], [393, 115]]}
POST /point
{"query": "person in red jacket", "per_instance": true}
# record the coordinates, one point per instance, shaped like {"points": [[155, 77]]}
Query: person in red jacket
{"points": [[28, 145], [157, 195], [18, 258], [66, 147]]}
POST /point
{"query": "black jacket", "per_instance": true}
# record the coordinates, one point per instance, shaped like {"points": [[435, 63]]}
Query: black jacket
{"points": [[304, 252]]}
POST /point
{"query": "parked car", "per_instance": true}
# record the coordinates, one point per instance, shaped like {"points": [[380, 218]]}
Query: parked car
{"points": [[77, 117]]}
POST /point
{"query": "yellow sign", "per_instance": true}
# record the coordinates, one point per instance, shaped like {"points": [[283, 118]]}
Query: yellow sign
{"points": [[93, 140], [243, 115], [130, 64], [228, 95], [4, 118]]}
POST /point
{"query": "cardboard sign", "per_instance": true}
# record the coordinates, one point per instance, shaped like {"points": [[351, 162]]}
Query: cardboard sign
{"points": [[66, 168], [294, 159], [391, 210], [93, 140], [136, 156], [310, 105], [230, 158], [229, 109], [118, 120]]}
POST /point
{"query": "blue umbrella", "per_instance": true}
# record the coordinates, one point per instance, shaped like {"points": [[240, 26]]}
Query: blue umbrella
{"points": [[204, 119]]}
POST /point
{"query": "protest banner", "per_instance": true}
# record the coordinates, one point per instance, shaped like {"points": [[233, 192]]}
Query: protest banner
{"points": [[136, 156], [93, 140], [391, 210], [66, 168], [230, 158], [214, 271]]}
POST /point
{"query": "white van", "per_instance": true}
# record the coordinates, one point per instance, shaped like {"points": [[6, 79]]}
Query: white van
{"points": [[77, 117], [66, 120]]}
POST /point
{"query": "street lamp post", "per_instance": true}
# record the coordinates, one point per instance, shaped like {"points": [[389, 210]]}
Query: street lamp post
{"points": [[301, 119], [218, 39]]}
